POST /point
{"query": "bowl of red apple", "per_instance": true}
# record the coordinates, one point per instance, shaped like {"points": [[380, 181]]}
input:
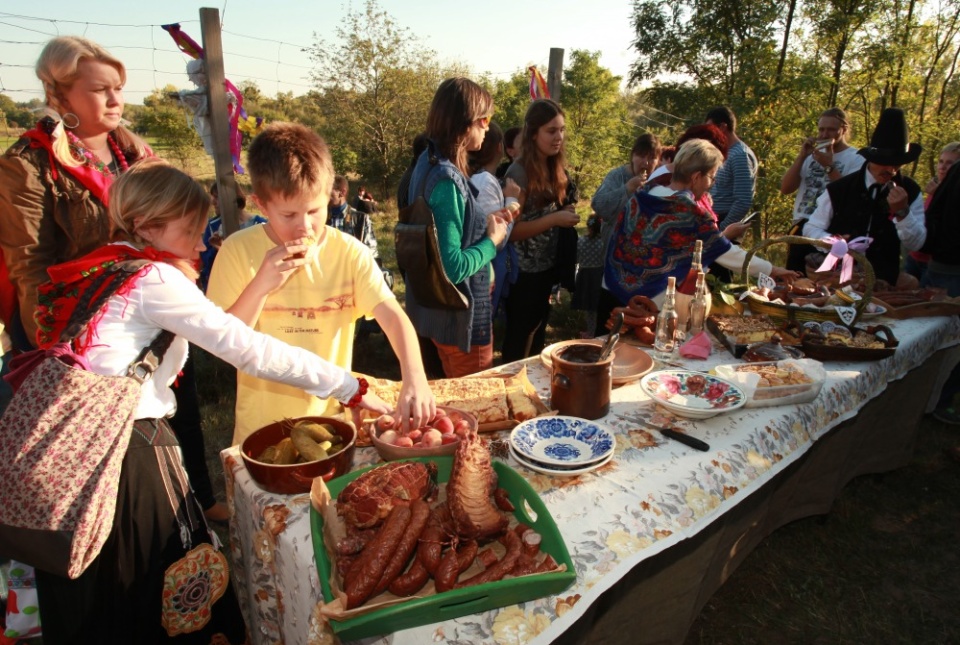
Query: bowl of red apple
{"points": [[439, 436]]}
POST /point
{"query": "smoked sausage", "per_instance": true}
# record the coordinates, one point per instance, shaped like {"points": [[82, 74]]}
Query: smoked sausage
{"points": [[363, 577], [419, 513]]}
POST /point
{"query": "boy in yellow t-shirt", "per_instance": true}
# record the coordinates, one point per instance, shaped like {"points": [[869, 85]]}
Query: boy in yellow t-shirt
{"points": [[306, 283]]}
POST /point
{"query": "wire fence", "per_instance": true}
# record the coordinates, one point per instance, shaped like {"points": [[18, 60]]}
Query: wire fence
{"points": [[151, 58]]}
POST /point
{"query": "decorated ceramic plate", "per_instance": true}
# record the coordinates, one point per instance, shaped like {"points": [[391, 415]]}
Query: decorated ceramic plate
{"points": [[558, 471], [562, 441], [694, 395], [629, 361]]}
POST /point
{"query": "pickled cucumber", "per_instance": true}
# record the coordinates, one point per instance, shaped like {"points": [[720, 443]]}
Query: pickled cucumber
{"points": [[286, 452], [317, 431], [334, 449], [305, 444], [268, 456]]}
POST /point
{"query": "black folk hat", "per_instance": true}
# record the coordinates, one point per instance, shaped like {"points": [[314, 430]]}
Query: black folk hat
{"points": [[889, 145]]}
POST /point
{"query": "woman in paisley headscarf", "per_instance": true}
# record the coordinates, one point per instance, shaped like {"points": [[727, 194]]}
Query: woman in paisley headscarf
{"points": [[655, 235]]}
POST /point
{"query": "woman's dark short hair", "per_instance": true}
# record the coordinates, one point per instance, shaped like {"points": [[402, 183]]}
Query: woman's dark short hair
{"points": [[646, 144]]}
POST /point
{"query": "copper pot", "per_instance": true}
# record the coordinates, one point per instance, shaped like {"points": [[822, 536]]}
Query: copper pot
{"points": [[580, 386]]}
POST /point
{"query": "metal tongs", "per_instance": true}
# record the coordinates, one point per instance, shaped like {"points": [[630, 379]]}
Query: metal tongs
{"points": [[612, 338]]}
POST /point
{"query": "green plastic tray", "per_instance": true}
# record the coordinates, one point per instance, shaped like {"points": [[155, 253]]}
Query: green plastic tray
{"points": [[459, 602]]}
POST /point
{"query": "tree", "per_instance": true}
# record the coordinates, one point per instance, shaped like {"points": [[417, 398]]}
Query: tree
{"points": [[778, 68], [727, 47], [168, 122], [597, 129], [374, 89], [511, 98]]}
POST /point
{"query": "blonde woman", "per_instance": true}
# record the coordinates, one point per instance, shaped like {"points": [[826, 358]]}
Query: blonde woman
{"points": [[158, 213], [55, 178]]}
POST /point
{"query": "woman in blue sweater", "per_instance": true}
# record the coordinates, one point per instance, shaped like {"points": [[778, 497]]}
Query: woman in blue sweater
{"points": [[456, 124]]}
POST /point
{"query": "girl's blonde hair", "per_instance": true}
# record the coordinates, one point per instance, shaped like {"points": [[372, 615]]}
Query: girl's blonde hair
{"points": [[58, 69], [151, 195]]}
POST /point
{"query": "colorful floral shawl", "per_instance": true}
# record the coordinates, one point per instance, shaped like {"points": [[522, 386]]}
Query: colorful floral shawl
{"points": [[653, 239], [78, 284]]}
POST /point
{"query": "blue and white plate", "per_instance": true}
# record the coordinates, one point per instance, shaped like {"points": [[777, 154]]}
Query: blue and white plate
{"points": [[563, 441], [694, 395], [558, 471]]}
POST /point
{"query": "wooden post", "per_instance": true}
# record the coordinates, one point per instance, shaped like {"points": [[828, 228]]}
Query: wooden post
{"points": [[555, 73], [223, 162]]}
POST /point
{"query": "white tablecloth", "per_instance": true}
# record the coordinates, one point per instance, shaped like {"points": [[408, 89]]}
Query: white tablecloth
{"points": [[652, 495]]}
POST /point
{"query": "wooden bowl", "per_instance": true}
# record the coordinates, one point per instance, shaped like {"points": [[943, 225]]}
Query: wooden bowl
{"points": [[390, 452], [292, 479]]}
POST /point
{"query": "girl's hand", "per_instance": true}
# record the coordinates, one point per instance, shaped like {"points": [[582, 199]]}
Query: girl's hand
{"points": [[566, 218], [511, 189], [497, 227], [371, 402], [735, 230]]}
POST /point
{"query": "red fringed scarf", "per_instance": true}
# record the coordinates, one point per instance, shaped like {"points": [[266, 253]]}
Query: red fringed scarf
{"points": [[92, 179], [72, 282]]}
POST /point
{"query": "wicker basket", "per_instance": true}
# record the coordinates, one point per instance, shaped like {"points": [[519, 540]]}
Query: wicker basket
{"points": [[804, 314]]}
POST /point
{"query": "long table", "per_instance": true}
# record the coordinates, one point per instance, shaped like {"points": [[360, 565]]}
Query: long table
{"points": [[657, 530]]}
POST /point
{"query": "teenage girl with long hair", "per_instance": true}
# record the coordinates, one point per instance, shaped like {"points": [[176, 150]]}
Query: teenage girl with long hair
{"points": [[547, 199]]}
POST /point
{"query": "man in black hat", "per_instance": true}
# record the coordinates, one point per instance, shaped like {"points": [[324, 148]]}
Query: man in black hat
{"points": [[877, 201]]}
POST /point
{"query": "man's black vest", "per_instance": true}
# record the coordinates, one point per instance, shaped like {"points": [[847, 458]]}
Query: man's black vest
{"points": [[856, 213]]}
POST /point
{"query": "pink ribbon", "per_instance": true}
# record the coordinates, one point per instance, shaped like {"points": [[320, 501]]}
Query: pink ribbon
{"points": [[839, 252]]}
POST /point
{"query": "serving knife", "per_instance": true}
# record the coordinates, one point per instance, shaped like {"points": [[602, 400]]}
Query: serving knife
{"points": [[676, 435]]}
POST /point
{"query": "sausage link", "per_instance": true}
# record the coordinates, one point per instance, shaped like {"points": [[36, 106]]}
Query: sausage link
{"points": [[525, 566], [487, 558], [502, 499], [446, 576], [502, 567], [431, 546], [419, 513], [466, 553], [412, 581], [547, 564], [645, 335], [643, 304], [366, 573]]}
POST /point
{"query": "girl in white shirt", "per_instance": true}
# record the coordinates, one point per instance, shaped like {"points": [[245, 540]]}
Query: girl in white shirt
{"points": [[158, 213]]}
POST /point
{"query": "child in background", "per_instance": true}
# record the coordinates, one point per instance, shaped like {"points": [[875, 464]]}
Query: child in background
{"points": [[213, 235], [589, 275], [261, 278]]}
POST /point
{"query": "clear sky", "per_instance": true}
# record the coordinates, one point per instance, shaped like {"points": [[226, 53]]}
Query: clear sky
{"points": [[262, 41]]}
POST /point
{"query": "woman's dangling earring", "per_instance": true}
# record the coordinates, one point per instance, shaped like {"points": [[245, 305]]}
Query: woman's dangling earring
{"points": [[69, 126]]}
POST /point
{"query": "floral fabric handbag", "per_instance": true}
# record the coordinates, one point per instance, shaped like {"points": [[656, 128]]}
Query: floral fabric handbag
{"points": [[62, 442]]}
